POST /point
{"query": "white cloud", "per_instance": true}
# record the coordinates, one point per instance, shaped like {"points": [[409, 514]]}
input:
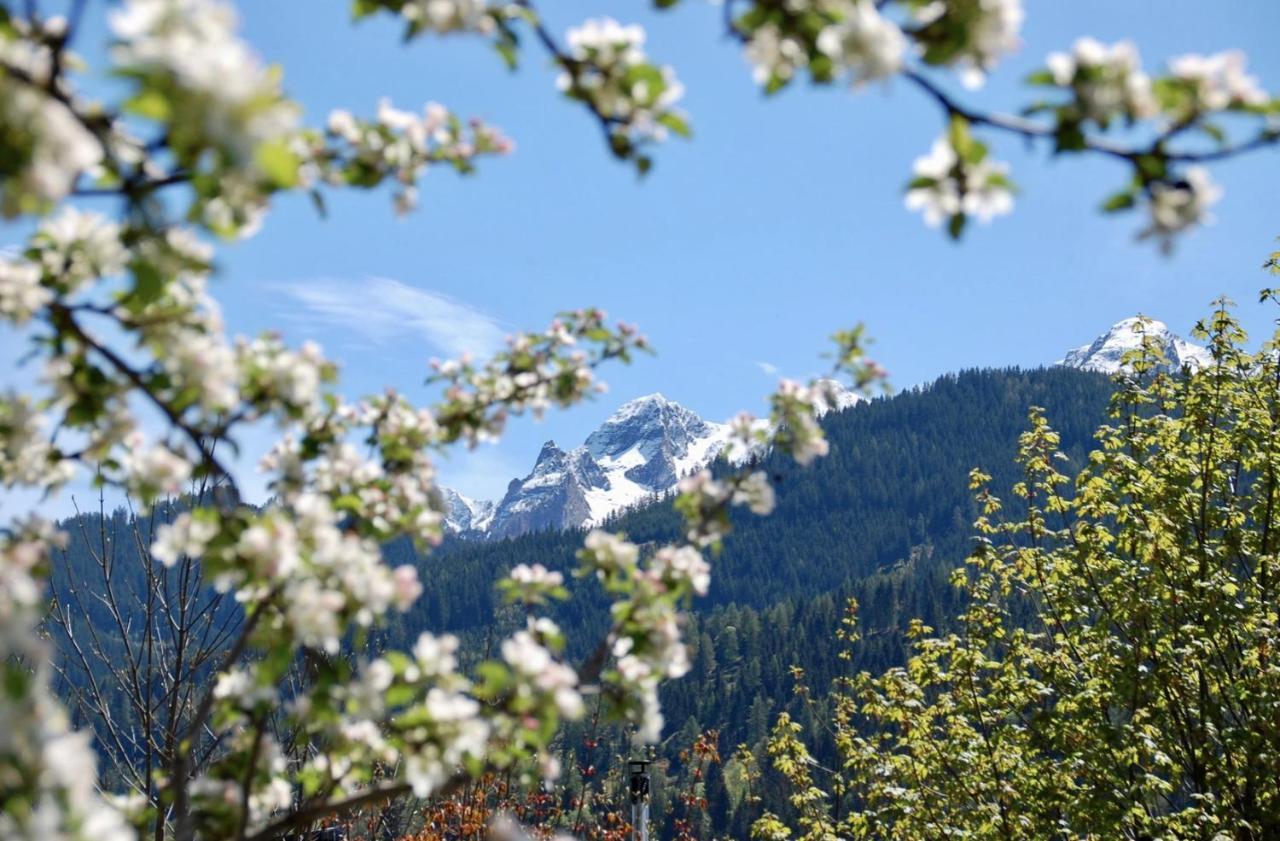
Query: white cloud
{"points": [[768, 368], [380, 310]]}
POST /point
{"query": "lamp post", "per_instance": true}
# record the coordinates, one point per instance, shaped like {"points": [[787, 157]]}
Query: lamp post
{"points": [[638, 770]]}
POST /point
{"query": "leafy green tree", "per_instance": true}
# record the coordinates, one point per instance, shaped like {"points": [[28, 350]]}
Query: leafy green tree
{"points": [[1113, 673]]}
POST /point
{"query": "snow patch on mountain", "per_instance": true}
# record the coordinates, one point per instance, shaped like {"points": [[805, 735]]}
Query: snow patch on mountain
{"points": [[465, 514], [842, 398]]}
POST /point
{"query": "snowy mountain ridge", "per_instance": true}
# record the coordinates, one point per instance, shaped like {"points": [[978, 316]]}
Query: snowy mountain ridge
{"points": [[1105, 354], [640, 452], [645, 447]]}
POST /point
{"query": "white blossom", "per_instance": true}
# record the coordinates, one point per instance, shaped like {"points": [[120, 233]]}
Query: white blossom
{"points": [[536, 574], [435, 655], [989, 36], [52, 768], [865, 43], [235, 98], [408, 587], [445, 16], [186, 536], [1176, 208], [756, 493], [604, 52], [774, 55], [610, 552], [154, 469], [53, 144], [1218, 81], [26, 456], [77, 246], [1107, 80], [958, 187], [21, 292], [683, 564], [531, 660]]}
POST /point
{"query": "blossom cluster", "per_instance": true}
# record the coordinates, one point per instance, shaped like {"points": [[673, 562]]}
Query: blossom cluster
{"points": [[442, 17], [1179, 206], [27, 457], [533, 585], [858, 38], [952, 184], [47, 146], [47, 767], [864, 43], [971, 36], [1106, 80], [775, 56], [607, 69], [398, 146], [223, 109], [645, 641], [1215, 82], [534, 372]]}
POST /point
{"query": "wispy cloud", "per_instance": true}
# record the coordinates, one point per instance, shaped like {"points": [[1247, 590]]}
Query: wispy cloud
{"points": [[380, 310], [768, 368]]}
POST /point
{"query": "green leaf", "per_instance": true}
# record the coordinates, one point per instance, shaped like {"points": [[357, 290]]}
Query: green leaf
{"points": [[1123, 200], [822, 69], [507, 49], [676, 123], [976, 152], [150, 104], [1214, 131], [1152, 167], [147, 285], [278, 163], [958, 136], [955, 226], [1042, 78]]}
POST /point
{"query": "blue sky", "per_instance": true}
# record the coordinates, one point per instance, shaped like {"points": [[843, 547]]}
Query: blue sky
{"points": [[780, 222]]}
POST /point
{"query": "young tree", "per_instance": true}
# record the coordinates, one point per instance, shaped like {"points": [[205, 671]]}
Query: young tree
{"points": [[1114, 673], [136, 641]]}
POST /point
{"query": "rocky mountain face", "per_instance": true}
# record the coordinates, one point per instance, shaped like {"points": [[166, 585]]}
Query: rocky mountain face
{"points": [[466, 514], [1105, 353], [642, 451]]}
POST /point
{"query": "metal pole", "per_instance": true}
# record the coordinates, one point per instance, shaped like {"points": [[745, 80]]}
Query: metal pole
{"points": [[639, 772]]}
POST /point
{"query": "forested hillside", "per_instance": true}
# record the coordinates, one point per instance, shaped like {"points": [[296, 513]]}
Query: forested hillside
{"points": [[893, 489], [884, 518]]}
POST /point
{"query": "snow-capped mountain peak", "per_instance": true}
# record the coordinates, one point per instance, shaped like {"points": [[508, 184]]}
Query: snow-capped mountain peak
{"points": [[1105, 354], [641, 451], [833, 396]]}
